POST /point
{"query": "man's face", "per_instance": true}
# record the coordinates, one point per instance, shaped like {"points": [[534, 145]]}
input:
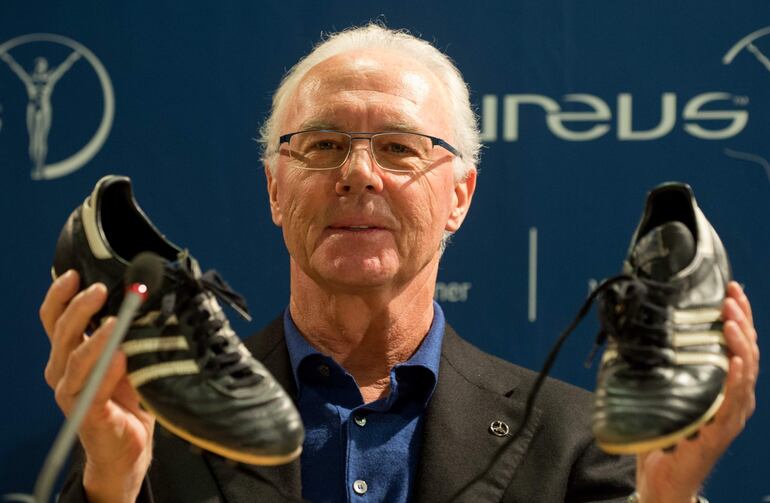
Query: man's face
{"points": [[322, 212]]}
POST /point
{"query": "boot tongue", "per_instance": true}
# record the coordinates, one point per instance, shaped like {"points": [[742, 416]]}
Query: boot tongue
{"points": [[663, 251]]}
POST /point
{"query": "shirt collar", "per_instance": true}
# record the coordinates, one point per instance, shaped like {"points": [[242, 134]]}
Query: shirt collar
{"points": [[427, 356]]}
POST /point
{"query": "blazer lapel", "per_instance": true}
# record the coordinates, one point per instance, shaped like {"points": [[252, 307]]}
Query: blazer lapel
{"points": [[462, 459], [261, 483]]}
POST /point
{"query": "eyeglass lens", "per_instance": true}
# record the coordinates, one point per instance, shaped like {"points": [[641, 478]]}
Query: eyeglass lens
{"points": [[405, 152]]}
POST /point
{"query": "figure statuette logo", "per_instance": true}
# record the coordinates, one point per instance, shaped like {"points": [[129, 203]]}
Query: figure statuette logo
{"points": [[749, 43], [39, 82]]}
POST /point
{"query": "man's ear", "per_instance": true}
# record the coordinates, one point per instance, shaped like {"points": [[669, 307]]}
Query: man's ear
{"points": [[463, 193], [272, 193]]}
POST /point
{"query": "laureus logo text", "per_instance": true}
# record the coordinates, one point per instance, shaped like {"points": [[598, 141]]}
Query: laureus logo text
{"points": [[707, 116]]}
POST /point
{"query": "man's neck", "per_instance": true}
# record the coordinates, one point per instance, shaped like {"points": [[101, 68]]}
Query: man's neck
{"points": [[367, 332]]}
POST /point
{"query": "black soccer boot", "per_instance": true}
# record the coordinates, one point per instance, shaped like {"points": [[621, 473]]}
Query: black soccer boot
{"points": [[664, 368], [188, 366]]}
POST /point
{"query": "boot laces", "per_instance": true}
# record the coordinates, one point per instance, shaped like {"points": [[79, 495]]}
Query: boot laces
{"points": [[623, 291], [219, 350], [634, 313]]}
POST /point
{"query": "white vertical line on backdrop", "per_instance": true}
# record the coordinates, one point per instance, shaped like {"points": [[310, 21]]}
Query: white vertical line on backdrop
{"points": [[489, 118], [532, 304]]}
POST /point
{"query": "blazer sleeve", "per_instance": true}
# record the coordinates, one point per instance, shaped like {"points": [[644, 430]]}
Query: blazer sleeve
{"points": [[73, 491], [600, 477], [563, 463]]}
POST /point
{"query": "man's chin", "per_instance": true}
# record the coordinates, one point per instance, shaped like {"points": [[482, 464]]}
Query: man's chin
{"points": [[353, 270], [356, 277]]}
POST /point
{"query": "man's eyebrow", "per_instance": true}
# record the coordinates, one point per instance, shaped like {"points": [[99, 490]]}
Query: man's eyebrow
{"points": [[316, 124], [401, 127]]}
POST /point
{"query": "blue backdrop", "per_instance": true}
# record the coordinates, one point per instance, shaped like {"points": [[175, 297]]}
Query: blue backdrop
{"points": [[584, 107]]}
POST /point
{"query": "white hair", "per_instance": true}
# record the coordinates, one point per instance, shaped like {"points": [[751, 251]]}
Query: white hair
{"points": [[374, 36]]}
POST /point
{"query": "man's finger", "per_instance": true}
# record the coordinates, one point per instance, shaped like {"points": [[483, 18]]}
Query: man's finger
{"points": [[68, 332], [76, 317], [731, 415], [99, 407], [56, 299], [737, 342], [733, 311], [742, 377], [80, 363], [735, 291]]}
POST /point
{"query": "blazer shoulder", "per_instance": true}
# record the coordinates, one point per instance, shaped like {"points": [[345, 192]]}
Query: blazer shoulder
{"points": [[489, 371], [267, 340]]}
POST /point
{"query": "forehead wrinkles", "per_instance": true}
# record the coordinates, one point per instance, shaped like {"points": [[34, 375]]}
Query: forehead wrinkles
{"points": [[377, 112], [373, 79], [405, 84]]}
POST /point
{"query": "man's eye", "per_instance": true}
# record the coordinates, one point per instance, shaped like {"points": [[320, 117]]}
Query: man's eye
{"points": [[326, 145], [398, 148]]}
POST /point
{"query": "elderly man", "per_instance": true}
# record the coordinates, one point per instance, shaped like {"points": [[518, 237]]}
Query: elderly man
{"points": [[370, 156]]}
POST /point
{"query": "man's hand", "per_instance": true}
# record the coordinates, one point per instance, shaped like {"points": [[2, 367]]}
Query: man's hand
{"points": [[116, 433], [677, 476]]}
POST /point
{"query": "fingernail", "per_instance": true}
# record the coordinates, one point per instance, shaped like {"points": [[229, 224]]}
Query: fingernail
{"points": [[64, 277], [737, 311], [96, 287]]}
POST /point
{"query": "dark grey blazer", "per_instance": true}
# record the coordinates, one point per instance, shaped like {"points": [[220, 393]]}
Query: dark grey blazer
{"points": [[553, 460]]}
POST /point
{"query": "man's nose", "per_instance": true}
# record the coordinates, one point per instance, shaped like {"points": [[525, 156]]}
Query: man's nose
{"points": [[360, 171]]}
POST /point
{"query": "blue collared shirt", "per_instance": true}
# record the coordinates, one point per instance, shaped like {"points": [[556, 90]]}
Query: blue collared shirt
{"points": [[354, 451]]}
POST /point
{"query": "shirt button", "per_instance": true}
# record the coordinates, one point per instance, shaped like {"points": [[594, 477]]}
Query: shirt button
{"points": [[323, 370], [360, 420], [360, 487]]}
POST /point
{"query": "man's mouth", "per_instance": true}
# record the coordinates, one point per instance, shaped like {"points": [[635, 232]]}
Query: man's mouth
{"points": [[354, 227], [360, 223]]}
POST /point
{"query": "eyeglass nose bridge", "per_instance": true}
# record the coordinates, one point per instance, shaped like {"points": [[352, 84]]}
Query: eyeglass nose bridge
{"points": [[349, 157]]}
